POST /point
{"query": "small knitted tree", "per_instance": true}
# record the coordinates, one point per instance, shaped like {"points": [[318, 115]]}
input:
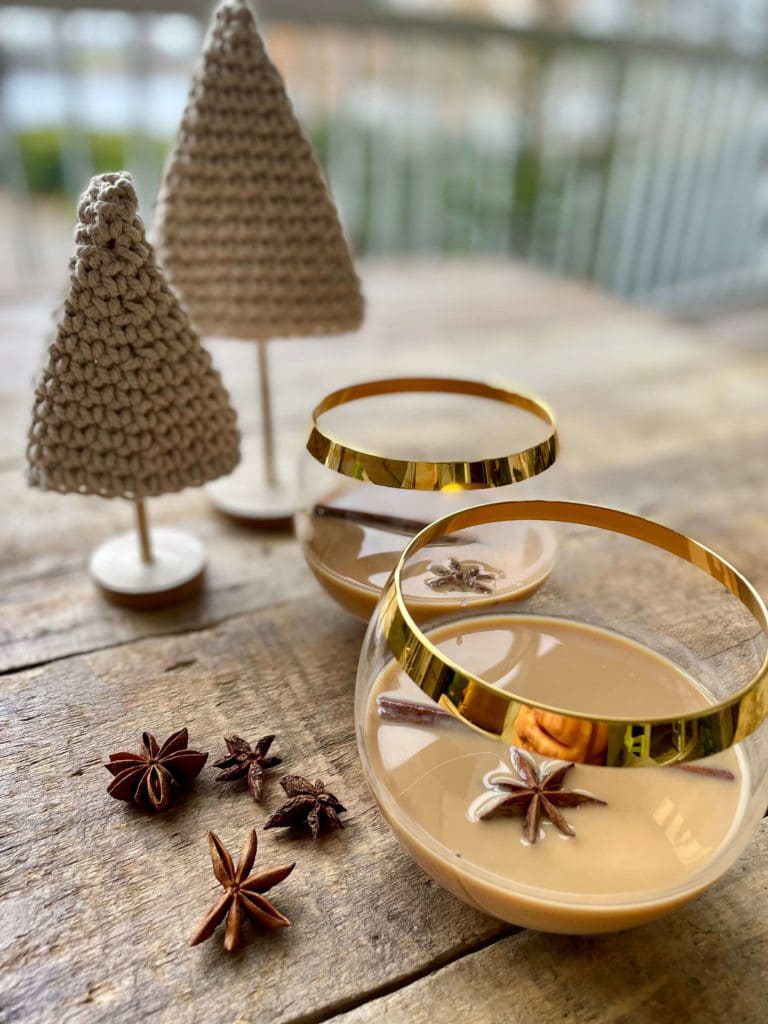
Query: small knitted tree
{"points": [[128, 404], [246, 227]]}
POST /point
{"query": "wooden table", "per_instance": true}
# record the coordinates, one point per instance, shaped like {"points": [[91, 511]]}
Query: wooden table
{"points": [[97, 902]]}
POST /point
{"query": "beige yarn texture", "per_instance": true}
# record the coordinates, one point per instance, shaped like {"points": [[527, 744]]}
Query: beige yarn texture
{"points": [[129, 404], [246, 227]]}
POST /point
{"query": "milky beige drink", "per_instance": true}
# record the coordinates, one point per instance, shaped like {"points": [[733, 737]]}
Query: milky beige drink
{"points": [[387, 458], [354, 537], [652, 845]]}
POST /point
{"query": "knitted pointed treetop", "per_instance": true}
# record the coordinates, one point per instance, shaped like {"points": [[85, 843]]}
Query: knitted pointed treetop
{"points": [[129, 404], [246, 227]]}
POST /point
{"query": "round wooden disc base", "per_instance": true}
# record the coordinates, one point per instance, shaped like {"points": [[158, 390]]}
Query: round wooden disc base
{"points": [[246, 497], [174, 575]]}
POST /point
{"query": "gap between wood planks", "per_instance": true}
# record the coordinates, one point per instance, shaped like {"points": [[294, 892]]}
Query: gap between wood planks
{"points": [[333, 1010], [184, 630]]}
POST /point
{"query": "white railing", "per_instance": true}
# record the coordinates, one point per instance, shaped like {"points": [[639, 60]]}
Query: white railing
{"points": [[634, 163]]}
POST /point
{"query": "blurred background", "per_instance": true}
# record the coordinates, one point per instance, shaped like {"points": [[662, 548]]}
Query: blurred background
{"points": [[618, 141]]}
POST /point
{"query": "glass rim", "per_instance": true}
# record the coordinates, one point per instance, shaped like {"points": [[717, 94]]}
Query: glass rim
{"points": [[683, 737], [409, 474]]}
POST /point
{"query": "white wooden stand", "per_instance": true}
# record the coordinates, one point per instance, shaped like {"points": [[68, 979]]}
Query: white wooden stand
{"points": [[148, 569], [261, 493]]}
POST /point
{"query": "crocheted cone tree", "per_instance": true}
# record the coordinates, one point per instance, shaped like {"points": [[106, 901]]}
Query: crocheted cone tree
{"points": [[247, 229], [245, 224], [129, 404]]}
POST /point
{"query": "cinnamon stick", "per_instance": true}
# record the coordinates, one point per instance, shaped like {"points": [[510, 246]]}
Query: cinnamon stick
{"points": [[392, 524], [713, 773], [397, 709]]}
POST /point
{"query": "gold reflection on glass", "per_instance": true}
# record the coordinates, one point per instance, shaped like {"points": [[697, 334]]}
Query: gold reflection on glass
{"points": [[496, 711], [501, 469]]}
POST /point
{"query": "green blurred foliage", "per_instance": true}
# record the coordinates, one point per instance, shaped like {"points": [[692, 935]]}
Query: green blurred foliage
{"points": [[42, 155], [465, 209]]}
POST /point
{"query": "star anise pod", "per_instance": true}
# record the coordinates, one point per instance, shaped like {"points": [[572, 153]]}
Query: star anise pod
{"points": [[534, 793], [152, 777], [247, 762], [243, 893], [308, 804], [460, 576]]}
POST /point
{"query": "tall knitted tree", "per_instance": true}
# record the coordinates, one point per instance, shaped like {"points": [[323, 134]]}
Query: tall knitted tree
{"points": [[246, 227], [129, 404]]}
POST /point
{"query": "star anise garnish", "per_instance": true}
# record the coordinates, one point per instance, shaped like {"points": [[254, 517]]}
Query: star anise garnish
{"points": [[308, 805], [247, 762], [460, 576], [243, 895], [152, 777], [536, 793]]}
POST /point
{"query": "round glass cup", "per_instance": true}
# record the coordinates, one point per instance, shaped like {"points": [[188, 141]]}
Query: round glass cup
{"points": [[385, 458], [584, 759]]}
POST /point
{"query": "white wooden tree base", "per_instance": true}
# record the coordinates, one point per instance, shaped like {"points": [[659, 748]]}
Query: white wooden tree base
{"points": [[247, 497], [175, 573]]}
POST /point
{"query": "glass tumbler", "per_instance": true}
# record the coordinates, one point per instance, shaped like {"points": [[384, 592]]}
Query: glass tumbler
{"points": [[587, 757], [386, 458]]}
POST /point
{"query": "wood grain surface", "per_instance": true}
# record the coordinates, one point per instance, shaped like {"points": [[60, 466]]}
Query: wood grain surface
{"points": [[97, 902]]}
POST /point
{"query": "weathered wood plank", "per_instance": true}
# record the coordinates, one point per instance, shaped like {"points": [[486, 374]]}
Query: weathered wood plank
{"points": [[49, 608], [706, 962], [521, 325], [608, 374], [98, 902]]}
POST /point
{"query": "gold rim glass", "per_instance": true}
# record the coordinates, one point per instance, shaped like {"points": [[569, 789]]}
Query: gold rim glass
{"points": [[385, 458], [613, 572], [497, 468]]}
